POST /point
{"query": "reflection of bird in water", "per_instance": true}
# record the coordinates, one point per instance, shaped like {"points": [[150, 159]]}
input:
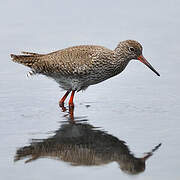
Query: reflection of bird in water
{"points": [[83, 144]]}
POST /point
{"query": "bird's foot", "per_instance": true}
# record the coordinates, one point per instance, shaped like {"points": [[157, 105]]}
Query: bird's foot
{"points": [[61, 105], [61, 102]]}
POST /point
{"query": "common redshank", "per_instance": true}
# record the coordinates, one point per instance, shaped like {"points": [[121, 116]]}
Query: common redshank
{"points": [[76, 68]]}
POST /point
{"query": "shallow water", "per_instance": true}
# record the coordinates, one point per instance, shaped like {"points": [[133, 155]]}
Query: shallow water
{"points": [[136, 107]]}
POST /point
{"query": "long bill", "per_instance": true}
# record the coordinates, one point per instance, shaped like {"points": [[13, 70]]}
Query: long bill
{"points": [[144, 61]]}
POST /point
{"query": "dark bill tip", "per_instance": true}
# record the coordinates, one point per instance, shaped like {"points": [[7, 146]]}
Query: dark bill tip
{"points": [[144, 61]]}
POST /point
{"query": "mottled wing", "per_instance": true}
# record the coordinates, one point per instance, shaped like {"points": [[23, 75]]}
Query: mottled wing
{"points": [[78, 60]]}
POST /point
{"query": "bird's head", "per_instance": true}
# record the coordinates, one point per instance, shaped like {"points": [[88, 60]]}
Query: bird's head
{"points": [[131, 49]]}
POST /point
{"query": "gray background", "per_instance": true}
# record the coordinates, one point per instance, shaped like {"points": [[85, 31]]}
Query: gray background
{"points": [[135, 106]]}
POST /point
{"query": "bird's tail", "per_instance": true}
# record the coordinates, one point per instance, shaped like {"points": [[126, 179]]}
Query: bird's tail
{"points": [[28, 59]]}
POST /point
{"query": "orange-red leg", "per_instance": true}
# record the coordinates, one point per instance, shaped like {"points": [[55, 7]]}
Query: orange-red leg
{"points": [[71, 114], [61, 102], [71, 104]]}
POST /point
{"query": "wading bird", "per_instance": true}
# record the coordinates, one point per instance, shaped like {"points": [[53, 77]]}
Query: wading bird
{"points": [[76, 68]]}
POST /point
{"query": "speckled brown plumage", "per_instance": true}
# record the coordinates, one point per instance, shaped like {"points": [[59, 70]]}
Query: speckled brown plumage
{"points": [[78, 67]]}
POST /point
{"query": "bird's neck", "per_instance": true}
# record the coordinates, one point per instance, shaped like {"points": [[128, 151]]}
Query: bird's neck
{"points": [[121, 62]]}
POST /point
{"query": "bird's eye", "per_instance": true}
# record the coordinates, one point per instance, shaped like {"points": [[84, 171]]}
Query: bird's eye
{"points": [[131, 49]]}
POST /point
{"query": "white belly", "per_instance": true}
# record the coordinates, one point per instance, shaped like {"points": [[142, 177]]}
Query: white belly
{"points": [[68, 83]]}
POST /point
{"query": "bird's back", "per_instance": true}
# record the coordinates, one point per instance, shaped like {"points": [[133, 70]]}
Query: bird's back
{"points": [[70, 61], [75, 61]]}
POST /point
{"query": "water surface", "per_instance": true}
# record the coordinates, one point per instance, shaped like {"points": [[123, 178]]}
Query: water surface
{"points": [[136, 107]]}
